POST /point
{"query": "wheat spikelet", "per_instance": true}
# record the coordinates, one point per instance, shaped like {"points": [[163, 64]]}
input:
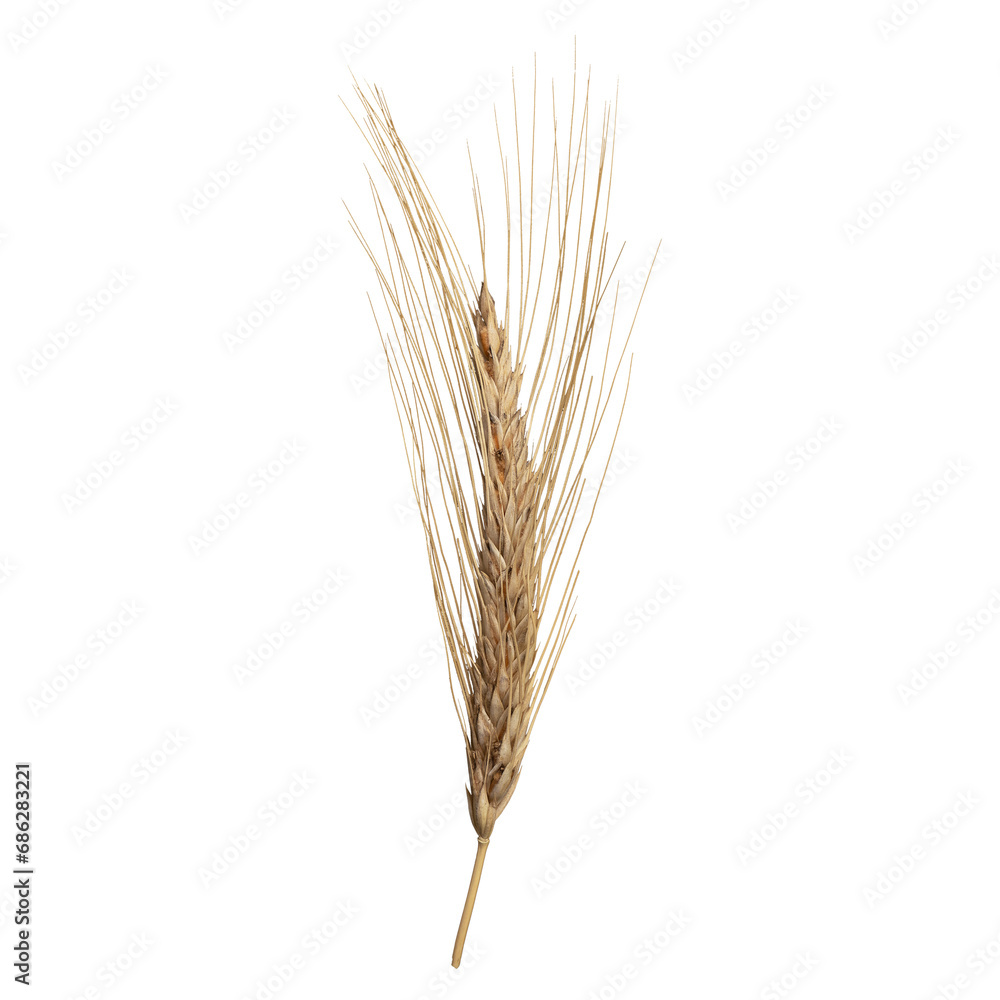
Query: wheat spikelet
{"points": [[501, 681], [510, 463]]}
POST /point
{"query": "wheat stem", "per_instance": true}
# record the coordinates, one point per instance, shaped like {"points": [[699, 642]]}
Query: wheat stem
{"points": [[470, 902]]}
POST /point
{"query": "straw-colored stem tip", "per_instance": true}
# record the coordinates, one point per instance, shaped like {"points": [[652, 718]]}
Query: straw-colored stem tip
{"points": [[470, 901]]}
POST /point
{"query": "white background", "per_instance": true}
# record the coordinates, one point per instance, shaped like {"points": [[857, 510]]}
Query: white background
{"points": [[376, 831]]}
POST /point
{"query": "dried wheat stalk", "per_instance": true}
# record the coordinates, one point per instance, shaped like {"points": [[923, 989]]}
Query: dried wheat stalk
{"points": [[510, 465]]}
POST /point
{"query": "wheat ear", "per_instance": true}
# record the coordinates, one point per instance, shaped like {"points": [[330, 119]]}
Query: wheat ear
{"points": [[510, 463]]}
